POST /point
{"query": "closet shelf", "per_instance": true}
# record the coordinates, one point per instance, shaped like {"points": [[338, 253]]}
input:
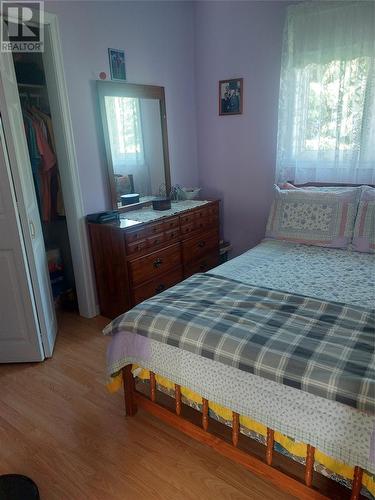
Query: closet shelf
{"points": [[31, 85]]}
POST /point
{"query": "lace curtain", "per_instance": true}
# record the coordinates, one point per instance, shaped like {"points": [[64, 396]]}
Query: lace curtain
{"points": [[327, 94]]}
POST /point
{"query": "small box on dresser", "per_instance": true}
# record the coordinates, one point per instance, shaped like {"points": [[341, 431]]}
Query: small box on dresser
{"points": [[133, 263]]}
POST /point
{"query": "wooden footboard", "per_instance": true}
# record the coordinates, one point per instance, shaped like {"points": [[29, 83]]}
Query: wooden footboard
{"points": [[263, 467]]}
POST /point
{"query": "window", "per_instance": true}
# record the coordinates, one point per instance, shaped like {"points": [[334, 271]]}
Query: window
{"points": [[335, 100], [327, 95]]}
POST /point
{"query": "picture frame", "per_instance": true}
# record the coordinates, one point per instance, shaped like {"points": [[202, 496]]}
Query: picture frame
{"points": [[117, 65], [231, 97]]}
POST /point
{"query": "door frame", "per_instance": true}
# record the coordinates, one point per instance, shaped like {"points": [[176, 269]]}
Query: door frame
{"points": [[76, 221]]}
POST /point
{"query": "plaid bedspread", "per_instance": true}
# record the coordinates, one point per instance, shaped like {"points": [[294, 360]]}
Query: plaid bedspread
{"points": [[325, 348]]}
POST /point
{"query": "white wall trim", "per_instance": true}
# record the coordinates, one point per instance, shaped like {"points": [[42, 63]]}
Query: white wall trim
{"points": [[77, 228]]}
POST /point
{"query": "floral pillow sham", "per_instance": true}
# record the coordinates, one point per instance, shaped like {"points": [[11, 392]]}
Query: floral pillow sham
{"points": [[321, 218], [364, 229]]}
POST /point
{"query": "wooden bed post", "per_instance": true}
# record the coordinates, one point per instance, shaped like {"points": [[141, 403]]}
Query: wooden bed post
{"points": [[235, 428], [269, 445], [129, 391], [205, 414], [152, 387], [357, 483], [309, 468], [177, 394]]}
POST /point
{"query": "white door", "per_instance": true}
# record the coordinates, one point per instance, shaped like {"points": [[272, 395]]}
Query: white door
{"points": [[19, 328], [26, 199]]}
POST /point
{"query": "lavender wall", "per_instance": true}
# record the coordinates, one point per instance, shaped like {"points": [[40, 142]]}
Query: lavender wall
{"points": [[158, 38], [186, 47], [237, 153]]}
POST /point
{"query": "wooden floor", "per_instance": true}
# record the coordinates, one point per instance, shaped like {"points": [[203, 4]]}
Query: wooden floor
{"points": [[60, 426]]}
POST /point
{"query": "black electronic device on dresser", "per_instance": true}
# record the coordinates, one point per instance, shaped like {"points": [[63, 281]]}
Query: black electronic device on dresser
{"points": [[134, 261], [103, 217]]}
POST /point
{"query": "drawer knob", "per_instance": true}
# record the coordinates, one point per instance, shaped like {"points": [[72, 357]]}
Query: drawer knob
{"points": [[201, 244], [157, 263], [160, 288]]}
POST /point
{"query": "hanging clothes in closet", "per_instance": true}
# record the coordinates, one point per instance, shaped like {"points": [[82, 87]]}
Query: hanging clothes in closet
{"points": [[41, 143]]}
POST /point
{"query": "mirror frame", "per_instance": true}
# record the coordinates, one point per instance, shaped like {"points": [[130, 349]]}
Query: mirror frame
{"points": [[117, 89]]}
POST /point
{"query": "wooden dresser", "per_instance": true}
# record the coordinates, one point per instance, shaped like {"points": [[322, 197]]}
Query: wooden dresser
{"points": [[134, 261]]}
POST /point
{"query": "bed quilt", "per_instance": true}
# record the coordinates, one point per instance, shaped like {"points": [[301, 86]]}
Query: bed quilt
{"points": [[321, 347], [325, 273]]}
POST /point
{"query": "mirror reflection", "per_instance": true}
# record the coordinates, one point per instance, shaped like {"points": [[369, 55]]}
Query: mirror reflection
{"points": [[136, 142]]}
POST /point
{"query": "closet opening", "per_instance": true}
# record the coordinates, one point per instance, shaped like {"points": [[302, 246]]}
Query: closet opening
{"points": [[46, 168]]}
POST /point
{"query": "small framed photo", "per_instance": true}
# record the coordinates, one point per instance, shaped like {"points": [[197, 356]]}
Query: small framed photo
{"points": [[231, 97], [117, 64]]}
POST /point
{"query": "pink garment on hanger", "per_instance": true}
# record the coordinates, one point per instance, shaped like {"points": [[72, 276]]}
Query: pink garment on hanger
{"points": [[47, 164]]}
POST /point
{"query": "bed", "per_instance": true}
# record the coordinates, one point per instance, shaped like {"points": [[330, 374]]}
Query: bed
{"points": [[275, 412]]}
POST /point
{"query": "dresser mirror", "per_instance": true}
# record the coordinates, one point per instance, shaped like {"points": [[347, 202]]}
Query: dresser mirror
{"points": [[136, 142]]}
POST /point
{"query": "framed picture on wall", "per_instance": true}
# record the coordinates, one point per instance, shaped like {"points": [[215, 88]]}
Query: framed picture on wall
{"points": [[231, 97], [117, 64]]}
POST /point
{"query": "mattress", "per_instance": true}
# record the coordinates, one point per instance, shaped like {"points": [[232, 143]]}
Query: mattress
{"points": [[337, 275]]}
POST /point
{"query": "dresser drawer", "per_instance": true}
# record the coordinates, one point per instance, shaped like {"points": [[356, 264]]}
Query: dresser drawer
{"points": [[172, 234], [202, 264], [199, 220], [136, 247], [154, 241], [171, 223], [213, 209], [154, 264], [188, 228], [201, 245], [155, 228], [199, 224], [187, 218], [212, 220], [201, 213], [136, 235], [157, 285]]}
